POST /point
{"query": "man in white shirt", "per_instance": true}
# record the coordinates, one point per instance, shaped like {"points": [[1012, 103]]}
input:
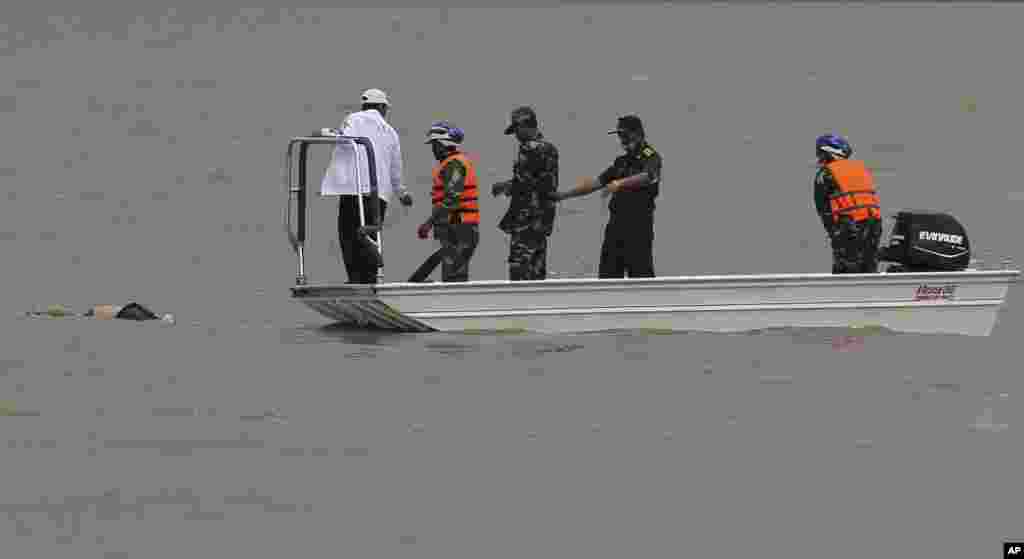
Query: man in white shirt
{"points": [[369, 122]]}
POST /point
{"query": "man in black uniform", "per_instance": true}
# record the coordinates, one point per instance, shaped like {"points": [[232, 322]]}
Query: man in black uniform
{"points": [[633, 181]]}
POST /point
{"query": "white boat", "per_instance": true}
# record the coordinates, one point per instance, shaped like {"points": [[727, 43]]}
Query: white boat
{"points": [[963, 301]]}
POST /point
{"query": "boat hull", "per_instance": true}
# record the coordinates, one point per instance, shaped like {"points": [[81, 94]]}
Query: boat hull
{"points": [[965, 303]]}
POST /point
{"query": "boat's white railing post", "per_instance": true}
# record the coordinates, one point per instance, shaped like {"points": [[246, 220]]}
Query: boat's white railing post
{"points": [[362, 215], [296, 192], [299, 191]]}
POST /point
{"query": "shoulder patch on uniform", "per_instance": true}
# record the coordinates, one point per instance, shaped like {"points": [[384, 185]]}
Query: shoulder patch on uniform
{"points": [[648, 151]]}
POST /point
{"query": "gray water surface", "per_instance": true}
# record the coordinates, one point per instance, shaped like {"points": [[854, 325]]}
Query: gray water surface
{"points": [[146, 166]]}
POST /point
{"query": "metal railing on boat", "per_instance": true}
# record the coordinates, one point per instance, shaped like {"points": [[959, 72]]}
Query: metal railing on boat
{"points": [[298, 192]]}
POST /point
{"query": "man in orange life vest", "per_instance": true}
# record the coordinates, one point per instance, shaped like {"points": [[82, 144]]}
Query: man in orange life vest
{"points": [[455, 219], [847, 202]]}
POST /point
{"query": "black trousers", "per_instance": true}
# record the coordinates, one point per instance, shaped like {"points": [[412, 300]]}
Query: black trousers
{"points": [[359, 261], [628, 247]]}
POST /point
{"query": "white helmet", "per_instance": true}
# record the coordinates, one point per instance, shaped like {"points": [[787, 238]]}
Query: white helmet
{"points": [[376, 97]]}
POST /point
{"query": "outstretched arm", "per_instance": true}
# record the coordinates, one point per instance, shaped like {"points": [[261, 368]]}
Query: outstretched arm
{"points": [[584, 186], [651, 174], [632, 183]]}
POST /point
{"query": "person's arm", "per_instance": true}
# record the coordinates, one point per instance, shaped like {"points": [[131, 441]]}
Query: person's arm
{"points": [[631, 183], [338, 152], [346, 127], [823, 184], [650, 175], [397, 184], [454, 177], [352, 126], [341, 130], [586, 185], [502, 187], [538, 171]]}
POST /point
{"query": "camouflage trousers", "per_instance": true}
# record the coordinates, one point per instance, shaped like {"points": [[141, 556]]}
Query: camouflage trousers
{"points": [[458, 244], [528, 256], [855, 247]]}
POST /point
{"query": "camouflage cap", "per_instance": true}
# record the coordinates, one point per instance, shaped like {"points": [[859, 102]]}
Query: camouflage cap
{"points": [[629, 123], [521, 115]]}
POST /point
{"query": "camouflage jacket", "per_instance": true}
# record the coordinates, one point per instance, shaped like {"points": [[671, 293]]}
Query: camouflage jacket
{"points": [[535, 176]]}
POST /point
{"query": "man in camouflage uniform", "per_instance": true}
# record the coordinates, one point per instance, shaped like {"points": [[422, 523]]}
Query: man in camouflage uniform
{"points": [[530, 218], [456, 216]]}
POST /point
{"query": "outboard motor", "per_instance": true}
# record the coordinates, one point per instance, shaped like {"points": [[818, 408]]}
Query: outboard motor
{"points": [[922, 241]]}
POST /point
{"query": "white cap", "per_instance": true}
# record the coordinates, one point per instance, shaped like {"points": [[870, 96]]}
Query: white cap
{"points": [[376, 97]]}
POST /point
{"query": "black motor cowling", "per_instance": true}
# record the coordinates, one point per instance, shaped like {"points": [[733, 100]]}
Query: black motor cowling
{"points": [[923, 241]]}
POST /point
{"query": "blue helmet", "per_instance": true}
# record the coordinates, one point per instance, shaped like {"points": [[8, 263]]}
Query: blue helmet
{"points": [[831, 146], [446, 133]]}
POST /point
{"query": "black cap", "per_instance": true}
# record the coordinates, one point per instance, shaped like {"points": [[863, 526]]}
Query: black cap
{"points": [[629, 123], [521, 115]]}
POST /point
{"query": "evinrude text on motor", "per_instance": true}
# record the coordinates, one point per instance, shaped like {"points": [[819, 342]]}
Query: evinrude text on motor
{"points": [[924, 241]]}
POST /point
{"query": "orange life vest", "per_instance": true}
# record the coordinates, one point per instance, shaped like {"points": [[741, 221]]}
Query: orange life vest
{"points": [[468, 210], [857, 197]]}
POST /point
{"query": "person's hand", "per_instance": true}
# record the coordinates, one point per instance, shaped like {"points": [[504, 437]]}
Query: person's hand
{"points": [[405, 199], [423, 231], [614, 186]]}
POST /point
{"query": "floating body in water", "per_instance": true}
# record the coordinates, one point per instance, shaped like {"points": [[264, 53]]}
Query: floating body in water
{"points": [[131, 311]]}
